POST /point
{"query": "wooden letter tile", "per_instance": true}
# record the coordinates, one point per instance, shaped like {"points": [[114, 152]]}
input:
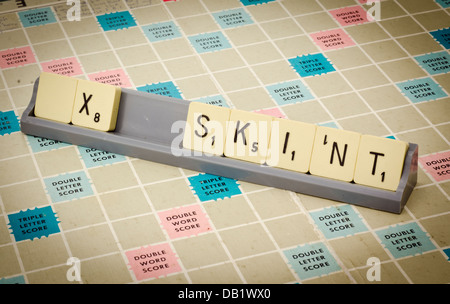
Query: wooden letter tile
{"points": [[96, 105], [291, 144], [55, 97], [248, 136], [205, 128], [334, 153], [380, 162]]}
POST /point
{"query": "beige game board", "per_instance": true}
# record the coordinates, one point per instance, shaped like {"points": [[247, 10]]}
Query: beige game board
{"points": [[72, 214]]}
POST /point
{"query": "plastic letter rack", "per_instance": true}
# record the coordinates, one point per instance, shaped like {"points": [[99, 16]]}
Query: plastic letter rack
{"points": [[152, 127]]}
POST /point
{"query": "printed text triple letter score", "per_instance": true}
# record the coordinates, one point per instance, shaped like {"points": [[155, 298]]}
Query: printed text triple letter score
{"points": [[296, 146]]}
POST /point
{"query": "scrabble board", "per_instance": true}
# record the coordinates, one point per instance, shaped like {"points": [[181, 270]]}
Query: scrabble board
{"points": [[74, 214]]}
